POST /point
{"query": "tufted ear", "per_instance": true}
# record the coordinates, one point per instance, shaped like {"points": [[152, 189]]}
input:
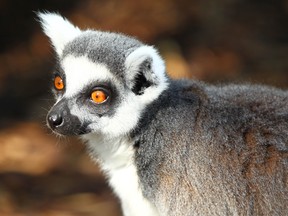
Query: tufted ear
{"points": [[144, 68], [58, 29]]}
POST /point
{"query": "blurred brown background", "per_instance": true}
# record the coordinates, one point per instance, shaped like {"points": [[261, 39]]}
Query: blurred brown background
{"points": [[214, 41]]}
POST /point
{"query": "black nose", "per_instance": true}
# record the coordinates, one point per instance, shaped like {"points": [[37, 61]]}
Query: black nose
{"points": [[54, 120]]}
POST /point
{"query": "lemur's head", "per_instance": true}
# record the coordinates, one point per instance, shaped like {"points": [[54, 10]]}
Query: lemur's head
{"points": [[102, 82]]}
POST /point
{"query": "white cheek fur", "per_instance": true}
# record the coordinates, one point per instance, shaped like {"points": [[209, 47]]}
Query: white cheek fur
{"points": [[129, 112], [125, 118]]}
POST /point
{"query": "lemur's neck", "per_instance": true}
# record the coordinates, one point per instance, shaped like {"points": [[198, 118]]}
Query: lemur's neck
{"points": [[110, 153], [116, 158]]}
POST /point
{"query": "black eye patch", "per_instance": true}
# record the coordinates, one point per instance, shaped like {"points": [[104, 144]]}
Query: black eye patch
{"points": [[84, 101]]}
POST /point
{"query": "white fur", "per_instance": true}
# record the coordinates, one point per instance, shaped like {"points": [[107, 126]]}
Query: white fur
{"points": [[116, 158], [58, 29], [122, 122], [80, 72], [126, 117], [128, 113]]}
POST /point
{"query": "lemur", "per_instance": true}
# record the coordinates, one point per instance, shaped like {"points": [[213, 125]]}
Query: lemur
{"points": [[168, 147]]}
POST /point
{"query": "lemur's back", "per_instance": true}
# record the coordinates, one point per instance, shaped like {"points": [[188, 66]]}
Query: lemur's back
{"points": [[235, 163]]}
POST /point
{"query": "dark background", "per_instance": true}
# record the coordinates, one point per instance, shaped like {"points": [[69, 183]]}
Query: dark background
{"points": [[214, 41]]}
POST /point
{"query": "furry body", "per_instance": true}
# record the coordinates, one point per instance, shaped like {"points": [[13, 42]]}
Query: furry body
{"points": [[222, 153], [169, 147]]}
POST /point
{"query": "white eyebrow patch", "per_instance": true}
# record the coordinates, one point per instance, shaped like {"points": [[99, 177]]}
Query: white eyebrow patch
{"points": [[80, 72]]}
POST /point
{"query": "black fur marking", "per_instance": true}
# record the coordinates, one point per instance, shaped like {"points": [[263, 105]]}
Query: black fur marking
{"points": [[136, 144], [141, 83]]}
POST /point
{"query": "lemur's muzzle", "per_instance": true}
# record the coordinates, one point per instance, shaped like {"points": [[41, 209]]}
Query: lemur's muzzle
{"points": [[61, 121]]}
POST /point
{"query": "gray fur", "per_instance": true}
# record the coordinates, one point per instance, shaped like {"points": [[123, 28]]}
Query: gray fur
{"points": [[110, 49], [207, 150]]}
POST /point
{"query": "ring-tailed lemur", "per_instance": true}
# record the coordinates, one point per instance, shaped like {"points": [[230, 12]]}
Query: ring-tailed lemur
{"points": [[168, 147]]}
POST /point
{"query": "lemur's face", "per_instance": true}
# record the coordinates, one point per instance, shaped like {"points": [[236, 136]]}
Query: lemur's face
{"points": [[103, 81], [87, 97]]}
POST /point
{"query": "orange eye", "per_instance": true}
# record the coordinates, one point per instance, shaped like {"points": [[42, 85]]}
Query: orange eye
{"points": [[99, 96], [58, 83]]}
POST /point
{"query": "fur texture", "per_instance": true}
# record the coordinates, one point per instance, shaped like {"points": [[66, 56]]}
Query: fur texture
{"points": [[169, 147], [207, 150]]}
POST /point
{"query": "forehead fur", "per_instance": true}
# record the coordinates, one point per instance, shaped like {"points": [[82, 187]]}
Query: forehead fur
{"points": [[105, 48], [80, 72]]}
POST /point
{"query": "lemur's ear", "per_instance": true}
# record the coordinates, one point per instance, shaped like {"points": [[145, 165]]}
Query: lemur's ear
{"points": [[145, 68], [58, 29]]}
